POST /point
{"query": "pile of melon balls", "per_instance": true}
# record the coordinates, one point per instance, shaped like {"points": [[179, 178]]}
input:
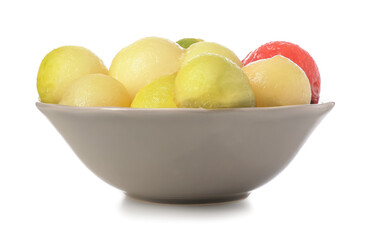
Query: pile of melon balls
{"points": [[191, 73]]}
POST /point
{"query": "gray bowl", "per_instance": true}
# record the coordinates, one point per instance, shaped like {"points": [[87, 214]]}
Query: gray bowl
{"points": [[186, 155]]}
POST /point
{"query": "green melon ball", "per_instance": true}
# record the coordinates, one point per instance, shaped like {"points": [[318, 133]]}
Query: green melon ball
{"points": [[212, 81], [157, 94], [210, 47], [63, 66], [187, 42]]}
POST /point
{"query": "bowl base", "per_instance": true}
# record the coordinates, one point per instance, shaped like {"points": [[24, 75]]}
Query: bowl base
{"points": [[194, 201]]}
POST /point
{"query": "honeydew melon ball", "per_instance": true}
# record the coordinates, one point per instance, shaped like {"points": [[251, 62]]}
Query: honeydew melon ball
{"points": [[187, 42], [61, 67], [210, 47], [144, 61], [157, 94], [212, 81], [96, 90]]}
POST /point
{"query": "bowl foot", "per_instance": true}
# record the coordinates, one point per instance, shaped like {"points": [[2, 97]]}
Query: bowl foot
{"points": [[194, 201]]}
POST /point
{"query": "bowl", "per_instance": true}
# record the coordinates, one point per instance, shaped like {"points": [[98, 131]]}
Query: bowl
{"points": [[182, 155]]}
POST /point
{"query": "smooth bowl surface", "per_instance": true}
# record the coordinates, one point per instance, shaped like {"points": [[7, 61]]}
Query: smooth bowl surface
{"points": [[186, 155]]}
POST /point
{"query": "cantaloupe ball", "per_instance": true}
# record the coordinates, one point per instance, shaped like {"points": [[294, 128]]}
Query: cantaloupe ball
{"points": [[144, 61], [61, 67], [278, 81], [210, 47], [96, 90]]}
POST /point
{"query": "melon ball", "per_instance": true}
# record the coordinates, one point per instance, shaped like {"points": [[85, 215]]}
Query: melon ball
{"points": [[212, 81], [144, 61], [96, 90], [278, 81], [210, 47], [187, 42], [61, 67], [157, 94]]}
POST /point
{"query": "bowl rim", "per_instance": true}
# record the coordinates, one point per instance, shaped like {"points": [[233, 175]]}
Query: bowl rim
{"points": [[53, 106]]}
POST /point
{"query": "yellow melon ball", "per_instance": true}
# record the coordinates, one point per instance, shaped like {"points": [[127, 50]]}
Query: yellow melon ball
{"points": [[210, 47], [278, 81], [144, 61], [61, 67], [212, 81], [157, 94], [96, 90]]}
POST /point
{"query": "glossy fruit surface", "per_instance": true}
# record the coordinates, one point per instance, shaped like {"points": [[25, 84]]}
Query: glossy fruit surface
{"points": [[96, 90], [144, 61], [157, 94], [210, 47], [278, 81], [212, 81], [295, 53], [61, 67]]}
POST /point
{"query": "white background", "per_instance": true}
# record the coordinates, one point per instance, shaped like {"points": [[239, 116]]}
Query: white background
{"points": [[47, 193]]}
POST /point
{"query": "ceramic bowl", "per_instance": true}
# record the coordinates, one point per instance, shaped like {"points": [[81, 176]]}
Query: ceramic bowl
{"points": [[186, 155]]}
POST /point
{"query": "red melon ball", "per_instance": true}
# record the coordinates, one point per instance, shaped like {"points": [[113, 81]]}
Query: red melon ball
{"points": [[296, 54]]}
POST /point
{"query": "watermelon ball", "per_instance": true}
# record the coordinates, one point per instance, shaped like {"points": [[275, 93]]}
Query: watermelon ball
{"points": [[296, 54]]}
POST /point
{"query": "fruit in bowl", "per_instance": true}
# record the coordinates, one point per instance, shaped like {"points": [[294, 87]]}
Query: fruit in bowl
{"points": [[157, 94], [210, 47], [61, 67], [96, 90], [278, 81], [296, 54], [181, 125], [187, 42], [212, 81], [144, 61]]}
